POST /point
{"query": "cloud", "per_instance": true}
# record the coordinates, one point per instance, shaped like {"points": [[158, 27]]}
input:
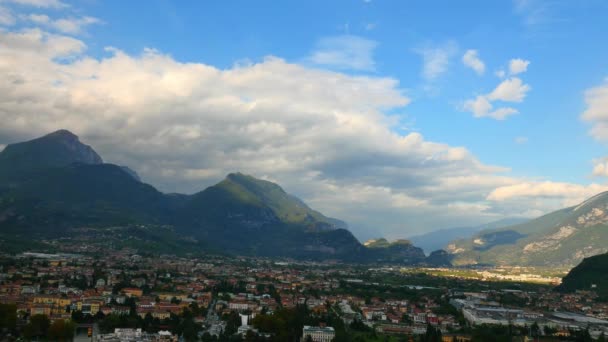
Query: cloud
{"points": [[324, 135], [435, 60], [40, 3], [518, 66], [346, 52], [510, 90], [6, 17], [569, 194], [64, 25], [596, 113], [521, 140], [481, 107], [600, 167], [472, 60]]}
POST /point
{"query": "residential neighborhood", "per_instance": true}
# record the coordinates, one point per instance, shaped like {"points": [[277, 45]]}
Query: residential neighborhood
{"points": [[124, 295]]}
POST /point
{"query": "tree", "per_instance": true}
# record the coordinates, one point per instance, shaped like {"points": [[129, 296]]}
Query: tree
{"points": [[432, 334], [233, 321], [549, 331], [38, 326], [190, 329], [535, 330], [8, 316], [77, 316], [61, 330]]}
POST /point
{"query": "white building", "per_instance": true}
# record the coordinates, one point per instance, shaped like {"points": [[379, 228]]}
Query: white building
{"points": [[318, 334]]}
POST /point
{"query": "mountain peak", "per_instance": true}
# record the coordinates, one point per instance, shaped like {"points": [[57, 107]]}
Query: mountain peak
{"points": [[63, 133], [57, 149]]}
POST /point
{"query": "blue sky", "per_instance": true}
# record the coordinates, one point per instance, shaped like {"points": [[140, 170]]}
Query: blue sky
{"points": [[426, 74], [562, 40]]}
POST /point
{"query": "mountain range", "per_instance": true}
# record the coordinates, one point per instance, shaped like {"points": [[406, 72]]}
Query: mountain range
{"points": [[559, 239], [55, 187], [439, 239]]}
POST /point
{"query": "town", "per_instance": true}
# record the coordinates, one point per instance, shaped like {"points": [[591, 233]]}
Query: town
{"points": [[123, 295]]}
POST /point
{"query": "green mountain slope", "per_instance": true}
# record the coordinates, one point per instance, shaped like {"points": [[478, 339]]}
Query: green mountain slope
{"points": [[561, 238], [80, 194], [400, 250], [55, 187], [590, 274], [254, 201]]}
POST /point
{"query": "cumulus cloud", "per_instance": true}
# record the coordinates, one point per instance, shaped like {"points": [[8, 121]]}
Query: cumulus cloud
{"points": [[323, 135], [471, 59], [482, 107], [596, 112], [510, 90], [435, 60], [345, 52], [518, 66]]}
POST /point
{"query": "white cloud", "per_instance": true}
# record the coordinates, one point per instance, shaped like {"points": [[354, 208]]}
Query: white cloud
{"points": [[40, 3], [345, 52], [40, 19], [323, 135], [500, 73], [521, 140], [64, 25], [596, 113], [370, 26], [600, 167], [481, 107], [568, 194], [471, 59], [435, 60], [502, 113], [518, 66], [510, 90], [74, 25]]}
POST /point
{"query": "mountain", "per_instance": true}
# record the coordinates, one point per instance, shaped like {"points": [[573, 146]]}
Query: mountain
{"points": [[560, 239], [397, 251], [57, 149], [439, 239], [56, 188], [590, 274], [260, 198]]}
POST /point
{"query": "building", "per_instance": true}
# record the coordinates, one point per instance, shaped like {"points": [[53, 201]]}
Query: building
{"points": [[133, 292], [130, 335], [318, 334]]}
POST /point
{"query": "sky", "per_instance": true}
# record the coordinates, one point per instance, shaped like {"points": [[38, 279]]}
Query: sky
{"points": [[399, 117]]}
